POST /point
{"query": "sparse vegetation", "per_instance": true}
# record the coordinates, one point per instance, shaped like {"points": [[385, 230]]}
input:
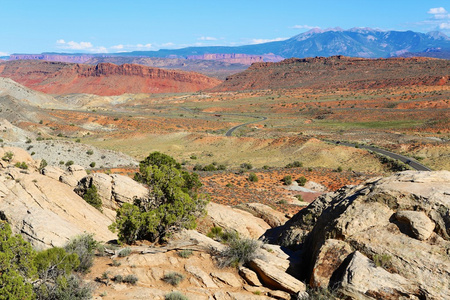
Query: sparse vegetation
{"points": [[91, 196], [175, 296], [382, 260], [247, 166], [21, 165], [173, 278], [8, 156], [301, 181], [252, 177], [185, 253], [295, 164], [124, 252], [130, 279], [287, 180], [239, 251], [177, 203]]}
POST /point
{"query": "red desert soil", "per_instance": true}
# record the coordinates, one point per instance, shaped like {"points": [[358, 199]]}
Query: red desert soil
{"points": [[105, 79], [340, 72], [232, 189]]}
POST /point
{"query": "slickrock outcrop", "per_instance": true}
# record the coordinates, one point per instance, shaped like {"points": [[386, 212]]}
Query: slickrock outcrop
{"points": [[104, 79], [388, 238], [113, 190], [45, 211]]}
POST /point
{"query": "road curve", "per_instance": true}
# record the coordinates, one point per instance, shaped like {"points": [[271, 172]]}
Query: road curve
{"points": [[405, 159], [231, 130]]}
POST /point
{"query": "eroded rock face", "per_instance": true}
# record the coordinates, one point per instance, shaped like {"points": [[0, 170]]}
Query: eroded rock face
{"points": [[45, 211], [114, 190], [401, 223]]}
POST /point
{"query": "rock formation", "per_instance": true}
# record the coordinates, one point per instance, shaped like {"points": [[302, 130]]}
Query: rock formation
{"points": [[104, 79], [321, 72], [45, 211], [388, 238]]}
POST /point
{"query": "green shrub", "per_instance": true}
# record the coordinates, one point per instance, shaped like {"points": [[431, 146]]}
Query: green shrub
{"points": [[302, 181], [131, 279], [91, 196], [173, 278], [247, 166], [69, 163], [55, 262], [85, 247], [287, 180], [42, 165], [8, 156], [125, 252], [92, 165], [177, 203], [118, 278], [238, 252], [252, 177], [221, 167], [16, 265], [295, 164], [23, 165], [185, 253], [210, 168], [215, 233], [382, 260], [339, 169], [90, 152], [175, 296], [116, 263]]}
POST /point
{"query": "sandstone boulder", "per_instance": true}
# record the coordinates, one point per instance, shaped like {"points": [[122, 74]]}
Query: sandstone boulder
{"points": [[52, 172], [421, 226], [73, 175], [269, 215], [401, 222], [275, 278], [361, 279], [243, 222]]}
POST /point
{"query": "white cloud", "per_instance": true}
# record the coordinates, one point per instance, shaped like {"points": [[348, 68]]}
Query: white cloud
{"points": [[3, 54], [261, 41], [437, 10], [118, 47], [308, 27], [74, 45], [439, 13], [445, 26], [207, 38]]}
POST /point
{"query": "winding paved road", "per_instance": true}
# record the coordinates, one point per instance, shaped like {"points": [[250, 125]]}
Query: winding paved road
{"points": [[230, 131], [405, 159]]}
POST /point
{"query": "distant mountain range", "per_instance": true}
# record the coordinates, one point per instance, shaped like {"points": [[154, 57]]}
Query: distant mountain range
{"points": [[355, 42]]}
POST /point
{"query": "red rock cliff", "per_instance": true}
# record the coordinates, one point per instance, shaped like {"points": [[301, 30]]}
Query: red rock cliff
{"points": [[105, 79]]}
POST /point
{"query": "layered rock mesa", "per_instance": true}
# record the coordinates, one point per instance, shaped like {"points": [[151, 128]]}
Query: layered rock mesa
{"points": [[104, 79], [236, 58], [340, 72]]}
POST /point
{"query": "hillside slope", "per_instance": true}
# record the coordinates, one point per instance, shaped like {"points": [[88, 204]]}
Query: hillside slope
{"points": [[105, 79], [340, 72]]}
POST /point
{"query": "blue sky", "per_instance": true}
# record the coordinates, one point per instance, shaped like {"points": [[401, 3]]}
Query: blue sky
{"points": [[114, 26]]}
